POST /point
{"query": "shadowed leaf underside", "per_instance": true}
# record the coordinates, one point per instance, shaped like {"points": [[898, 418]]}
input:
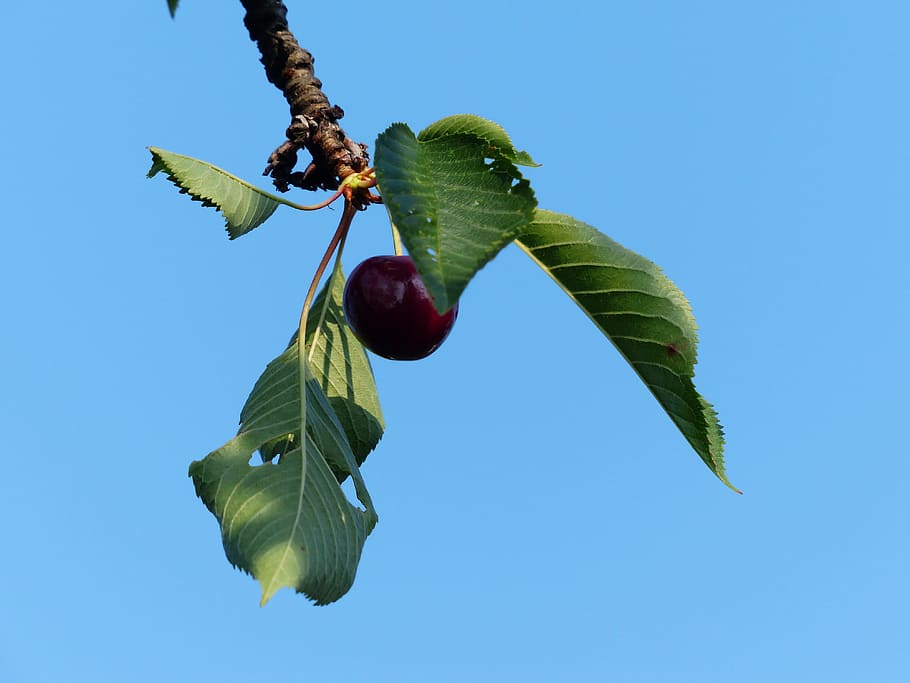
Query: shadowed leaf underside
{"points": [[640, 310]]}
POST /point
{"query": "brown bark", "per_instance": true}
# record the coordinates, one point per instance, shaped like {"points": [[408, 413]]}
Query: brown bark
{"points": [[314, 121]]}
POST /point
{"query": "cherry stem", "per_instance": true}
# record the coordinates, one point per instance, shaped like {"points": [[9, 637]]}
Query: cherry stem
{"points": [[396, 241]]}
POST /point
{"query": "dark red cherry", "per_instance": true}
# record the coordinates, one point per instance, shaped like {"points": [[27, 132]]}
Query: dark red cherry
{"points": [[390, 311]]}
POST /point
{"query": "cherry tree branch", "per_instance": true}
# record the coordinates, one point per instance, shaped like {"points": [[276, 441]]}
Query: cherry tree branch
{"points": [[314, 121]]}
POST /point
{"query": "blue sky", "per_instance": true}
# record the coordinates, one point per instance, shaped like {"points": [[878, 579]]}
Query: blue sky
{"points": [[540, 517]]}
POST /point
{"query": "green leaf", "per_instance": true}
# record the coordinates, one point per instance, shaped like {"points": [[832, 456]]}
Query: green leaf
{"points": [[243, 206], [172, 7], [640, 310], [455, 201], [340, 365], [492, 133], [288, 524]]}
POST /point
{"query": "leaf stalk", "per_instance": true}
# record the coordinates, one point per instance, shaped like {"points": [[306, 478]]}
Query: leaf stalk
{"points": [[338, 238]]}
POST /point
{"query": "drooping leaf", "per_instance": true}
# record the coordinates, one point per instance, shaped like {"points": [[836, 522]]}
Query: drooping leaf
{"points": [[288, 524], [455, 200], [172, 7], [640, 310], [340, 365], [490, 132], [243, 206]]}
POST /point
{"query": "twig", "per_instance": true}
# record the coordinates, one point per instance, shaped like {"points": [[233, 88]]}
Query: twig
{"points": [[314, 121]]}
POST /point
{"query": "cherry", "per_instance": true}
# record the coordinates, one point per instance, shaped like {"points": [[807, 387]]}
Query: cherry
{"points": [[390, 311]]}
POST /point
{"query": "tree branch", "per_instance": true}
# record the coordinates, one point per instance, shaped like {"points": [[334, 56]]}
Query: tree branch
{"points": [[314, 121]]}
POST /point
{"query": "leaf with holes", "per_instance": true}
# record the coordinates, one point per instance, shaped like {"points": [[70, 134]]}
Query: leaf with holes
{"points": [[640, 310], [243, 206], [340, 365], [490, 132], [456, 199], [288, 523]]}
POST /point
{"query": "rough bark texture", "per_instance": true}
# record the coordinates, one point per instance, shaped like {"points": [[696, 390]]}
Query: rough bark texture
{"points": [[314, 121]]}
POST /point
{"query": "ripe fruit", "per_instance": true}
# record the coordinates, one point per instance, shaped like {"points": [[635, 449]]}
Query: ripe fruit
{"points": [[390, 311]]}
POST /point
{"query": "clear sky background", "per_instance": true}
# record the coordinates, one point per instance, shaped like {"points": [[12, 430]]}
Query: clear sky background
{"points": [[541, 519]]}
